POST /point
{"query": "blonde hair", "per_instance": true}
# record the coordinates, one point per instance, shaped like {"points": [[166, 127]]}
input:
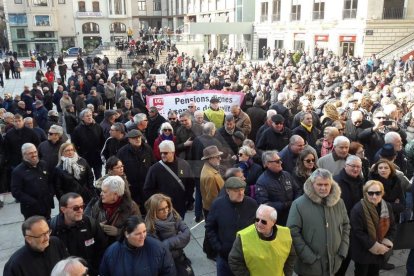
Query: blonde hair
{"points": [[151, 205], [372, 183], [331, 112]]}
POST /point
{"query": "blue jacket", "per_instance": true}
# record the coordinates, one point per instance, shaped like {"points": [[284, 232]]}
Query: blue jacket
{"points": [[152, 259]]}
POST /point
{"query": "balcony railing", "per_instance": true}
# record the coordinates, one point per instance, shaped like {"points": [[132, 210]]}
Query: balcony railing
{"points": [[89, 14], [295, 16], [318, 15], [263, 18], [275, 17], [393, 13], [349, 13]]}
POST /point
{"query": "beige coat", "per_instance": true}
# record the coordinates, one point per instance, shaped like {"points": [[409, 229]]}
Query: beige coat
{"points": [[211, 183]]}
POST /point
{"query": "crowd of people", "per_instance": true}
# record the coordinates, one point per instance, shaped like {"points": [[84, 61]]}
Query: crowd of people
{"points": [[312, 170]]}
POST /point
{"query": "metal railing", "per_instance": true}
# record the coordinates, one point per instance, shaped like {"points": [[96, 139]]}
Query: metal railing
{"points": [[318, 15], [349, 13], [275, 17], [393, 13], [402, 43]]}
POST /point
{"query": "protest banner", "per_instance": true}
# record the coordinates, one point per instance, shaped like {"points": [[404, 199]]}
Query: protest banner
{"points": [[161, 80], [179, 101]]}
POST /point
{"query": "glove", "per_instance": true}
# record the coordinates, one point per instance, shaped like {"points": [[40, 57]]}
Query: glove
{"points": [[378, 249], [110, 230]]}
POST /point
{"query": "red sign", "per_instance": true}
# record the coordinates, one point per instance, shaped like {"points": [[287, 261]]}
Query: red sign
{"points": [[348, 38], [324, 38]]}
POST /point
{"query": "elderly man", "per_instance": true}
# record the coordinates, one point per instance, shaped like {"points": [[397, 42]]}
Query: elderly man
{"points": [[319, 226], [137, 158], [276, 187], [71, 266], [40, 114], [276, 137], [31, 185], [81, 234], [350, 181], [290, 153], [394, 139], [49, 149], [334, 162], [267, 123], [356, 125], [242, 120], [89, 139], [307, 130], [185, 135], [115, 141], [229, 214], [199, 118], [171, 176], [214, 113], [29, 123], [263, 248], [306, 108], [225, 135], [39, 254]]}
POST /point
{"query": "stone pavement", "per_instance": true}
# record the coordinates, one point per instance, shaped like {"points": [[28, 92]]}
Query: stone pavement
{"points": [[10, 225]]}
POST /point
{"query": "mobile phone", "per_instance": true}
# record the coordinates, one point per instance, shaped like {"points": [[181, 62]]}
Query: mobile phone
{"points": [[388, 122]]}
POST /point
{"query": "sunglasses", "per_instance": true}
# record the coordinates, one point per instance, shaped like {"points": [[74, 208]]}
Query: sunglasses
{"points": [[241, 154], [167, 130], [309, 160], [372, 193], [191, 106], [172, 119], [262, 221], [77, 208], [278, 161], [51, 133]]}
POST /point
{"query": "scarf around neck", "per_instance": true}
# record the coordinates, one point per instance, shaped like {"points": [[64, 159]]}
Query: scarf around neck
{"points": [[377, 226], [71, 166]]}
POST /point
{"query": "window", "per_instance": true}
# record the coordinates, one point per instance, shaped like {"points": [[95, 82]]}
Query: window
{"points": [[90, 28], [350, 9], [263, 11], [295, 15], [142, 5], [95, 6], [42, 20], [81, 6], [18, 19], [18, 1], [276, 10], [44, 34], [177, 6], [278, 44], [42, 3], [61, 1], [20, 33], [318, 9], [157, 5], [117, 27]]}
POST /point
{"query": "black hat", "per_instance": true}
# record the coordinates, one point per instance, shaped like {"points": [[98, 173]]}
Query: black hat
{"points": [[387, 151], [239, 135], [214, 100], [278, 118]]}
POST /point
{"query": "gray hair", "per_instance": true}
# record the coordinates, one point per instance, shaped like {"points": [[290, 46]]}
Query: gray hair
{"points": [[267, 155], [341, 139], [166, 125], [270, 113], [258, 101], [83, 113], [138, 118], [295, 138], [232, 172], [119, 127], [209, 128], [246, 150], [229, 118], [249, 143], [58, 129], [391, 136], [26, 147], [115, 184], [322, 173], [352, 158], [273, 212], [65, 267]]}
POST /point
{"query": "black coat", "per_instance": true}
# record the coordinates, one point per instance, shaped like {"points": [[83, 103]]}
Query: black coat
{"points": [[199, 144], [26, 261], [112, 147], [351, 189], [251, 172], [32, 187], [257, 116], [154, 128], [353, 132], [227, 141], [89, 141], [309, 137], [13, 142], [136, 165], [272, 140], [49, 152]]}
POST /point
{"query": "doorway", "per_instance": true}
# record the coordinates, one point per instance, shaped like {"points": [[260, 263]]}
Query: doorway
{"points": [[347, 48], [262, 43]]}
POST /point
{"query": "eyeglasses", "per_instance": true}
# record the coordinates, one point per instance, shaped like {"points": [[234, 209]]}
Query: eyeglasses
{"points": [[51, 133], [167, 129], [44, 235], [163, 209], [354, 166], [278, 161], [262, 221], [372, 193], [309, 160], [68, 150], [172, 119], [77, 208]]}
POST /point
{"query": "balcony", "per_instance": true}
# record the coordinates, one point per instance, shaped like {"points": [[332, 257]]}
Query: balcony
{"points": [[275, 17], [393, 13], [263, 18], [294, 16], [349, 13], [89, 14], [318, 15]]}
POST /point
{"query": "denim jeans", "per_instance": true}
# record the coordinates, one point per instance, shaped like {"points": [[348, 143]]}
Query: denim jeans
{"points": [[407, 213], [223, 268]]}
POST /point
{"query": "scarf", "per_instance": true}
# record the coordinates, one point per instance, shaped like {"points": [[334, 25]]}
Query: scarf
{"points": [[308, 128], [110, 208], [326, 148], [377, 225], [71, 166], [166, 228], [167, 137]]}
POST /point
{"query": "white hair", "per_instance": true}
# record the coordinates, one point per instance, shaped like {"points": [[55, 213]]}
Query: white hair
{"points": [[341, 139], [273, 212], [391, 136], [115, 184], [65, 267]]}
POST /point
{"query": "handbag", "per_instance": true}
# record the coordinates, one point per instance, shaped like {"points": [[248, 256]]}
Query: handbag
{"points": [[404, 236], [183, 266]]}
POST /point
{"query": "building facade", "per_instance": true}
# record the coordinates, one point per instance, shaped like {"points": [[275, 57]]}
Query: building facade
{"points": [[351, 27]]}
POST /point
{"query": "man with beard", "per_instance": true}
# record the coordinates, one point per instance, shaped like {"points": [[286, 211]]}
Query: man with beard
{"points": [[225, 135]]}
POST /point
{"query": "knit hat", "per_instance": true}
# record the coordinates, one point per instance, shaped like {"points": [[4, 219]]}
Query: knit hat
{"points": [[234, 183]]}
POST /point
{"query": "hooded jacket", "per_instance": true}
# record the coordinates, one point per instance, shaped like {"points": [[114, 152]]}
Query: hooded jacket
{"points": [[320, 231]]}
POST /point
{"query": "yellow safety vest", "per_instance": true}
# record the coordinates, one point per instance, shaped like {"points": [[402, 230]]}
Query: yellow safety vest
{"points": [[215, 116], [265, 257]]}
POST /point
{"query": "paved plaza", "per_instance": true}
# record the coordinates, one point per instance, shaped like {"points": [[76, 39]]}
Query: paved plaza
{"points": [[10, 225]]}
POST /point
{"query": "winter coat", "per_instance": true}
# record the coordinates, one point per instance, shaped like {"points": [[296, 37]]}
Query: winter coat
{"points": [[199, 144], [71, 122], [13, 142], [89, 141], [320, 231], [257, 117], [112, 146], [226, 139], [251, 172], [225, 219], [278, 190], [353, 132], [243, 123], [309, 137], [351, 189], [272, 140], [153, 128], [211, 183], [40, 115], [182, 135], [49, 152], [152, 258]]}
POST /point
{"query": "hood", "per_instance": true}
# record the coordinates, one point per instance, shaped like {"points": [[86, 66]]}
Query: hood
{"points": [[332, 199]]}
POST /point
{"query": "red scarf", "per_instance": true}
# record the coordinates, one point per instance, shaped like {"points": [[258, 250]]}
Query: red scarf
{"points": [[111, 208]]}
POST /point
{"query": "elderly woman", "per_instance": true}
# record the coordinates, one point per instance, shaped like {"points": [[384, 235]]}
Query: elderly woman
{"points": [[251, 170], [114, 207], [136, 253], [325, 144], [166, 133], [305, 166], [164, 223], [73, 174], [372, 230]]}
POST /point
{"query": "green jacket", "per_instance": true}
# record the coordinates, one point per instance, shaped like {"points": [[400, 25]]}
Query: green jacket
{"points": [[320, 231]]}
